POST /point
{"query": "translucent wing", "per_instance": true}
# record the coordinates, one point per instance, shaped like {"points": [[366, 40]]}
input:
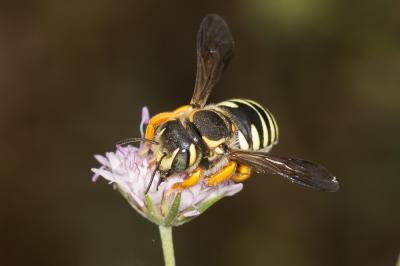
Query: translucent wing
{"points": [[214, 51], [295, 170]]}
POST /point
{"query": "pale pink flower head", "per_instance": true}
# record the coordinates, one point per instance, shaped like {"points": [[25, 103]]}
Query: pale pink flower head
{"points": [[130, 172]]}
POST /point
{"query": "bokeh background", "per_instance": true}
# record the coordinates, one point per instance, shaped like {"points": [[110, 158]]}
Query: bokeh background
{"points": [[75, 74]]}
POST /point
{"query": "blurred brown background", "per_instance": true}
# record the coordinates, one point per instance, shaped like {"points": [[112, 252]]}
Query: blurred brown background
{"points": [[75, 74]]}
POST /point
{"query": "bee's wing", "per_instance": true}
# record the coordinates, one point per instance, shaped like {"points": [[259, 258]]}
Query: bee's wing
{"points": [[214, 51], [295, 170]]}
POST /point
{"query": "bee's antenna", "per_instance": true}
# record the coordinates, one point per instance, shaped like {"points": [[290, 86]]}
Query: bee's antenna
{"points": [[132, 140], [154, 173]]}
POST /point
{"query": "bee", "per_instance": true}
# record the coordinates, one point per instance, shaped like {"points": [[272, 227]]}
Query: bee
{"points": [[225, 141]]}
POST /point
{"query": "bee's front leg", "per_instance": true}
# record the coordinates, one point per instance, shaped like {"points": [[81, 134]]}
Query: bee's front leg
{"points": [[160, 119], [155, 121]]}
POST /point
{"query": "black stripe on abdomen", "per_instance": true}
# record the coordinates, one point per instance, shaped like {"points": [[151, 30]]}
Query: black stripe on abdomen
{"points": [[251, 123]]}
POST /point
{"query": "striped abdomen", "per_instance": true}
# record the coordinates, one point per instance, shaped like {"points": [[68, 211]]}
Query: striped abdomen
{"points": [[256, 126]]}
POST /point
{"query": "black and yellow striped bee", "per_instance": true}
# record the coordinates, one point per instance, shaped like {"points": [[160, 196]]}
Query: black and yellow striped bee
{"points": [[224, 141]]}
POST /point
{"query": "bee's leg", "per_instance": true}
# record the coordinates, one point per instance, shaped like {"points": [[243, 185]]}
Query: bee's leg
{"points": [[243, 172], [161, 118], [192, 180], [222, 175], [160, 180], [155, 121], [183, 109]]}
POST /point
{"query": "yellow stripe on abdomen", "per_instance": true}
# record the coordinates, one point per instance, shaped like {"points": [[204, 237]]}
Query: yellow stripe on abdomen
{"points": [[256, 126]]}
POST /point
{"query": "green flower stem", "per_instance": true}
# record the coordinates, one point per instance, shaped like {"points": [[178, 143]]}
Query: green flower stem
{"points": [[167, 245]]}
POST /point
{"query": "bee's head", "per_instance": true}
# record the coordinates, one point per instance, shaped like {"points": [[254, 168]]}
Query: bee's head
{"points": [[176, 150]]}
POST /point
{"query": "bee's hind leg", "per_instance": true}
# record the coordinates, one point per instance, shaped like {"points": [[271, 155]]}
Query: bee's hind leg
{"points": [[243, 172], [222, 175], [229, 171]]}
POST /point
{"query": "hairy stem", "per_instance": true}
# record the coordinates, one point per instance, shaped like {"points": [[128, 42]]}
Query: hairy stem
{"points": [[167, 245]]}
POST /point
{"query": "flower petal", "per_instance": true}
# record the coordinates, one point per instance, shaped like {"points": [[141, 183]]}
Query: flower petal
{"points": [[191, 213], [103, 160], [137, 199], [104, 173], [145, 119], [131, 172], [233, 189]]}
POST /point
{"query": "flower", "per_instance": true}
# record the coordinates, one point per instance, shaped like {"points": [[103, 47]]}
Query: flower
{"points": [[130, 172]]}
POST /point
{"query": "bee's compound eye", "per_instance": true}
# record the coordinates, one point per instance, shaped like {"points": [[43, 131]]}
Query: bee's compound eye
{"points": [[181, 160]]}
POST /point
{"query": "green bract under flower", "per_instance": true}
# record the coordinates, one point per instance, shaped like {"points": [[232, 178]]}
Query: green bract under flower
{"points": [[131, 172]]}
